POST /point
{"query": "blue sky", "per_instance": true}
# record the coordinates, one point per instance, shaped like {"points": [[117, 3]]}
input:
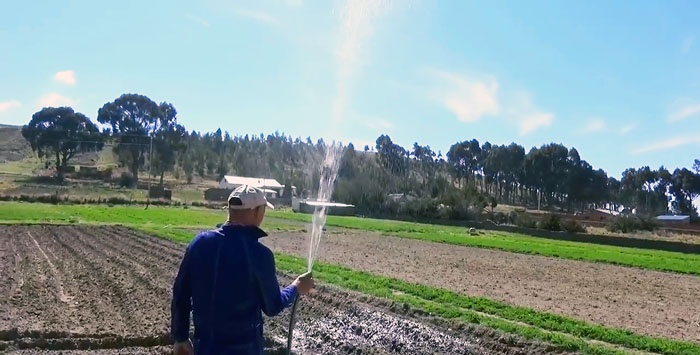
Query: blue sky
{"points": [[620, 81]]}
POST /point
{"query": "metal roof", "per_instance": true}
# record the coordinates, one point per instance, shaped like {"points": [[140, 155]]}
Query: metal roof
{"points": [[602, 210], [327, 204], [673, 218], [252, 181]]}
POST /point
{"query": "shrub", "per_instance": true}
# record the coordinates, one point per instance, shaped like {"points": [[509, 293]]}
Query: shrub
{"points": [[127, 180], [500, 218], [512, 217], [118, 201], [550, 222], [524, 221], [572, 226], [628, 224]]}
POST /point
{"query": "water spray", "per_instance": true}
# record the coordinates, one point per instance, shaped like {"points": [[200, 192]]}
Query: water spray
{"points": [[356, 19], [329, 171]]}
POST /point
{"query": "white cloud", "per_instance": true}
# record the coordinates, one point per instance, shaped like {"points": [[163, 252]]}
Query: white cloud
{"points": [[468, 99], [257, 15], [55, 100], [66, 76], [594, 125], [669, 143], [687, 44], [599, 125], [198, 20], [534, 121], [472, 98], [522, 112], [684, 113], [9, 105]]}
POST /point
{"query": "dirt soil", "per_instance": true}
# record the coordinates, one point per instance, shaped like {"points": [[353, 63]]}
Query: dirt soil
{"points": [[106, 290], [648, 302]]}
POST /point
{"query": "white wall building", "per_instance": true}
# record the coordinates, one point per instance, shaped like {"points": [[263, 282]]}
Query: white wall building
{"points": [[271, 187]]}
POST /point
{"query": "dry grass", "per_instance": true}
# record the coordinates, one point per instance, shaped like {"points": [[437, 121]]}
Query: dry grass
{"points": [[657, 235]]}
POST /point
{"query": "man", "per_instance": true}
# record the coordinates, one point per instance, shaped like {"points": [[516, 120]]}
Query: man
{"points": [[227, 278]]}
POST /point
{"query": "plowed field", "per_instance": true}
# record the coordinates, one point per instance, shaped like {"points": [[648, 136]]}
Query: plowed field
{"points": [[107, 290], [647, 302]]}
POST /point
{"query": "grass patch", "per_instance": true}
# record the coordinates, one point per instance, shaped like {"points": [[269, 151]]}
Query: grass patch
{"points": [[153, 219], [565, 333], [188, 194], [26, 166], [77, 192], [288, 221], [512, 242]]}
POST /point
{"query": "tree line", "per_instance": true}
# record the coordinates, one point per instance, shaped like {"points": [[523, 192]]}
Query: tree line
{"points": [[387, 179]]}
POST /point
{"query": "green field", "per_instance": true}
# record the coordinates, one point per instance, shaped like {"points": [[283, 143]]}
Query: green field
{"points": [[519, 243], [563, 332], [195, 218]]}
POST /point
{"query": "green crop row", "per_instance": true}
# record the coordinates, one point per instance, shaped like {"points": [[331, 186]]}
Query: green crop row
{"points": [[192, 219]]}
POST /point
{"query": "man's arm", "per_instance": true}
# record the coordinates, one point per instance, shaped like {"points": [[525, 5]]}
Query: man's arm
{"points": [[274, 300], [181, 303]]}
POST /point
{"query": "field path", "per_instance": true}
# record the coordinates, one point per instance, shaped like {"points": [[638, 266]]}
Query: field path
{"points": [[648, 302]]}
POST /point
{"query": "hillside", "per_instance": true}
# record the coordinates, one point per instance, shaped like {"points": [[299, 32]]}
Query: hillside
{"points": [[13, 147]]}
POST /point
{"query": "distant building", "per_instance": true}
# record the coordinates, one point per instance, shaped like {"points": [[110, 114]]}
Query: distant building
{"points": [[272, 187], [673, 219], [332, 208], [598, 215]]}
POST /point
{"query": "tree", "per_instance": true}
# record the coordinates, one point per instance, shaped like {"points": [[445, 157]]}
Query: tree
{"points": [[513, 169], [392, 156], [464, 158], [425, 158], [134, 119], [685, 187], [168, 141], [167, 144], [696, 166], [62, 133]]}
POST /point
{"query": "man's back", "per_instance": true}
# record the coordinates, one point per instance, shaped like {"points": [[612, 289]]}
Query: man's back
{"points": [[230, 278]]}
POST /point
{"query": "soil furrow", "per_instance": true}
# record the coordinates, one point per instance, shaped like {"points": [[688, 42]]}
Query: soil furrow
{"points": [[160, 271], [134, 295], [150, 240], [10, 266], [156, 256], [55, 275], [36, 306], [97, 303], [149, 268], [71, 275]]}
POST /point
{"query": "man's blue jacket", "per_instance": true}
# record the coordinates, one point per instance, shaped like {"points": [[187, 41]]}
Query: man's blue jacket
{"points": [[227, 278]]}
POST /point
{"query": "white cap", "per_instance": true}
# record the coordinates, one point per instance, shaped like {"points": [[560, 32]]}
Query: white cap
{"points": [[247, 197]]}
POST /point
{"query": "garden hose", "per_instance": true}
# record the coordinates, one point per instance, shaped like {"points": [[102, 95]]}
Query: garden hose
{"points": [[291, 325]]}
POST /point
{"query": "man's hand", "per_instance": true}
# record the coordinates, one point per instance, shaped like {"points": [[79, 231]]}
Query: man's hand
{"points": [[183, 348], [304, 283]]}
